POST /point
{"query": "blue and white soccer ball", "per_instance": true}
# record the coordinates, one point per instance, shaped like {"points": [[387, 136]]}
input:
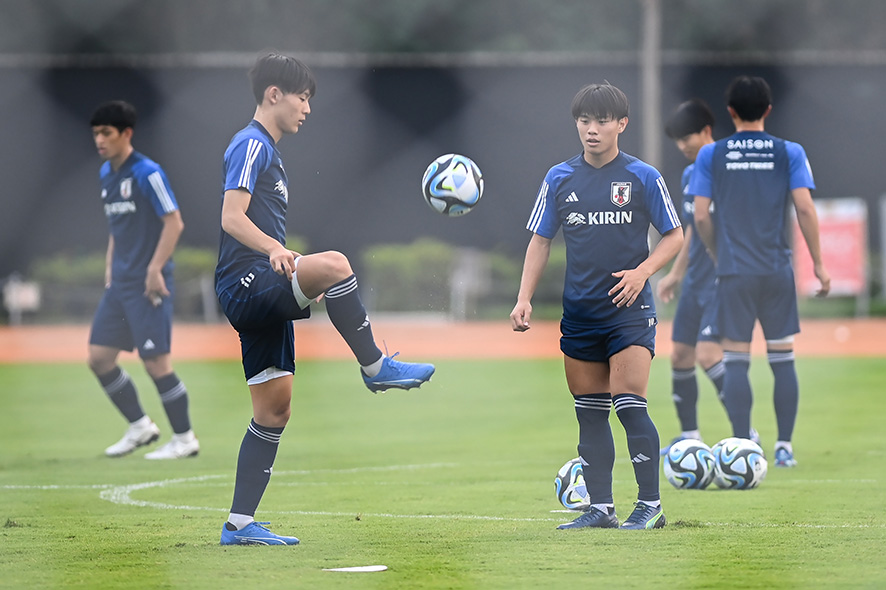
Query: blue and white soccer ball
{"points": [[452, 185], [741, 464], [570, 486], [689, 465]]}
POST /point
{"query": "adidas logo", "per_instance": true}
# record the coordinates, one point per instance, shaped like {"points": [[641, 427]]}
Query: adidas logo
{"points": [[640, 458], [247, 280], [365, 324], [149, 345], [572, 198]]}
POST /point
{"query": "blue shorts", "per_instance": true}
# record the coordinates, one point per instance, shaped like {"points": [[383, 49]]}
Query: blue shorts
{"points": [[126, 319], [744, 299], [599, 344], [696, 317], [261, 307]]}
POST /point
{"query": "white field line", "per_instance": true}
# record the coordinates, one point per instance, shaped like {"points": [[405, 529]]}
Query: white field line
{"points": [[122, 495]]}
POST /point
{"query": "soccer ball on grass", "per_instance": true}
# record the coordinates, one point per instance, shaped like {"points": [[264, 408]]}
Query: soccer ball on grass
{"points": [[570, 486], [452, 185], [689, 464], [741, 464]]}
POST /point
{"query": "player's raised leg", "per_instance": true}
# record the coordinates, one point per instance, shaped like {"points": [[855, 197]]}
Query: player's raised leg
{"points": [[330, 274]]}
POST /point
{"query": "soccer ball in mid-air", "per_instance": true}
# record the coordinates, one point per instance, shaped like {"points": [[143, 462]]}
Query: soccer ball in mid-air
{"points": [[689, 465], [452, 185], [570, 486], [741, 464]]}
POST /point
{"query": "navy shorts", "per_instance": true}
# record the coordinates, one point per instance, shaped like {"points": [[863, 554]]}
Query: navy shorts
{"points": [[126, 319], [599, 344], [744, 299], [695, 319], [261, 307]]}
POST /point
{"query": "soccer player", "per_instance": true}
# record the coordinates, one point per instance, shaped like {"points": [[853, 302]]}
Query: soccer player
{"points": [[262, 286], [136, 308], [604, 201], [695, 337], [752, 177]]}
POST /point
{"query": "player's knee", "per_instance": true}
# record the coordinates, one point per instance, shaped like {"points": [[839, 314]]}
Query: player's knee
{"points": [[338, 265]]}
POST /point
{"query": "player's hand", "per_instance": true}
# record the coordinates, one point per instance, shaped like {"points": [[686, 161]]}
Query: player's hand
{"points": [[520, 316], [282, 261], [155, 287], [824, 278], [666, 288], [630, 283]]}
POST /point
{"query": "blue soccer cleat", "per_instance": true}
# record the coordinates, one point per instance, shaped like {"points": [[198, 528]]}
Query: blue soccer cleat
{"points": [[784, 458], [593, 517], [254, 534], [645, 516], [398, 375]]}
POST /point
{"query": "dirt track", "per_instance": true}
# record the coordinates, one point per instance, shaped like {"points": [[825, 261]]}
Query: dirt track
{"points": [[418, 340]]}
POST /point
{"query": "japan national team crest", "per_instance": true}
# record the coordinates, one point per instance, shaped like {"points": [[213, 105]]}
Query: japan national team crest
{"points": [[126, 188], [620, 193]]}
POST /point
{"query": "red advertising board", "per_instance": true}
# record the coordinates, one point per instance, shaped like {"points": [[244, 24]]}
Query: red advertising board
{"points": [[844, 247]]}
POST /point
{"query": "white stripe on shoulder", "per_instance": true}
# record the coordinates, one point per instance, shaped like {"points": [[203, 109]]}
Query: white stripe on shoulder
{"points": [[252, 150], [163, 196], [539, 209], [668, 202]]}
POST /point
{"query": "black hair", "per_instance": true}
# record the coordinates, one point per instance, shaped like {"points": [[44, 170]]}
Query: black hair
{"points": [[690, 117], [116, 113], [749, 97], [287, 73], [600, 101]]}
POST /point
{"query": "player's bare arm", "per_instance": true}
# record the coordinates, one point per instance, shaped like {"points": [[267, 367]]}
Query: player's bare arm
{"points": [[667, 286], [236, 223], [632, 281], [537, 253], [807, 218], [155, 284], [109, 257], [704, 224]]}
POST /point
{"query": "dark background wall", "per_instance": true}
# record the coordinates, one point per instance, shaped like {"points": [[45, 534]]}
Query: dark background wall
{"points": [[355, 167]]}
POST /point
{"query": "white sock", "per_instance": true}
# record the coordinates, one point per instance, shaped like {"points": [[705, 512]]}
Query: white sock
{"points": [[184, 436], [604, 508], [373, 369], [240, 521], [141, 422], [781, 444], [693, 434], [653, 503]]}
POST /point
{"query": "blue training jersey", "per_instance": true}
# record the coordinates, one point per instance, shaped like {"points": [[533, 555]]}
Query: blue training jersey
{"points": [[605, 215], [253, 163], [135, 197], [749, 177], [700, 271]]}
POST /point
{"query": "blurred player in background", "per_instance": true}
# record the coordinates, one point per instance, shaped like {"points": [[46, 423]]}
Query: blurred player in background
{"points": [[751, 177], [262, 286], [695, 336], [604, 200], [136, 308]]}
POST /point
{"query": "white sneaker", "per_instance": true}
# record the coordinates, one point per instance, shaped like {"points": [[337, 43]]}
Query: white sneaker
{"points": [[181, 446], [140, 433]]}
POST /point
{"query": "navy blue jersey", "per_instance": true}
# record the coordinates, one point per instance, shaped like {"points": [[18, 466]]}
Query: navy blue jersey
{"points": [[605, 215], [136, 197], [700, 271], [252, 163], [749, 177]]}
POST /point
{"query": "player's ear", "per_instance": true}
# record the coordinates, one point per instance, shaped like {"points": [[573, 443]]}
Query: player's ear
{"points": [[622, 124], [273, 94]]}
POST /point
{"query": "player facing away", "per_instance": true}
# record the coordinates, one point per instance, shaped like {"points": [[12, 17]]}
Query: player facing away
{"points": [[695, 336], [262, 287], [136, 308], [752, 177], [604, 201]]}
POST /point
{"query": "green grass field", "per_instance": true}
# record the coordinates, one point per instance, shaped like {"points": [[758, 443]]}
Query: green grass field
{"points": [[450, 486]]}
